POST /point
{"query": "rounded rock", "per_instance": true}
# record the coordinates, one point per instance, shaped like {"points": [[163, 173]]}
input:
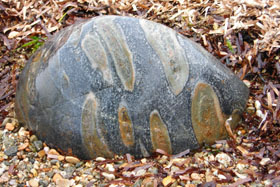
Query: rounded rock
{"points": [[116, 85]]}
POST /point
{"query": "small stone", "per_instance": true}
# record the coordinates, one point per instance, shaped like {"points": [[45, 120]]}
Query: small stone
{"points": [[23, 146], [11, 151], [2, 169], [264, 161], [33, 138], [221, 177], [53, 152], [33, 183], [240, 167], [163, 159], [167, 180], [43, 183], [54, 162], [69, 172], [100, 159], [79, 164], [41, 153], [174, 169], [144, 160], [60, 157], [13, 34], [195, 176], [63, 183], [56, 177], [22, 132], [108, 176], [110, 167], [5, 177], [223, 159], [32, 148], [38, 145], [50, 174], [10, 126], [127, 174], [8, 142], [46, 149], [72, 159], [13, 182], [34, 172]]}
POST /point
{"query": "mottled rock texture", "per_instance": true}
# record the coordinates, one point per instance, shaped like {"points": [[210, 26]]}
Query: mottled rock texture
{"points": [[115, 85]]}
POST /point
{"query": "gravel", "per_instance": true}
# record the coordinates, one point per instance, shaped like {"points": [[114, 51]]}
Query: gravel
{"points": [[36, 164]]}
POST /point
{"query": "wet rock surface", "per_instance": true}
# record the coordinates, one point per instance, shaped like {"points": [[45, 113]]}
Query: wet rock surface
{"points": [[126, 85]]}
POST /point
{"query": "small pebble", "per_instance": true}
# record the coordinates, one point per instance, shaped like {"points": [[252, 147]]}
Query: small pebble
{"points": [[34, 172], [23, 146], [63, 183], [221, 177], [72, 159], [110, 167], [38, 145], [46, 149], [22, 132], [10, 126], [264, 161], [69, 172], [32, 148], [41, 153], [79, 164], [195, 176], [33, 183], [56, 177], [167, 180], [224, 159], [108, 176], [53, 152], [11, 151], [43, 183], [99, 159], [4, 178], [60, 157]]}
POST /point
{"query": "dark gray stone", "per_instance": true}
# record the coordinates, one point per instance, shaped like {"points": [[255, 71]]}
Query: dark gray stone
{"points": [[38, 145], [7, 141], [11, 151], [69, 172], [116, 85]]}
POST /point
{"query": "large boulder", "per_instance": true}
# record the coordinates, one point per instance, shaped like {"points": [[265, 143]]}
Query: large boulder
{"points": [[116, 85]]}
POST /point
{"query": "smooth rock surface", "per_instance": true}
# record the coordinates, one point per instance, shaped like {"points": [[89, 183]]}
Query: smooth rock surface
{"points": [[116, 85]]}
